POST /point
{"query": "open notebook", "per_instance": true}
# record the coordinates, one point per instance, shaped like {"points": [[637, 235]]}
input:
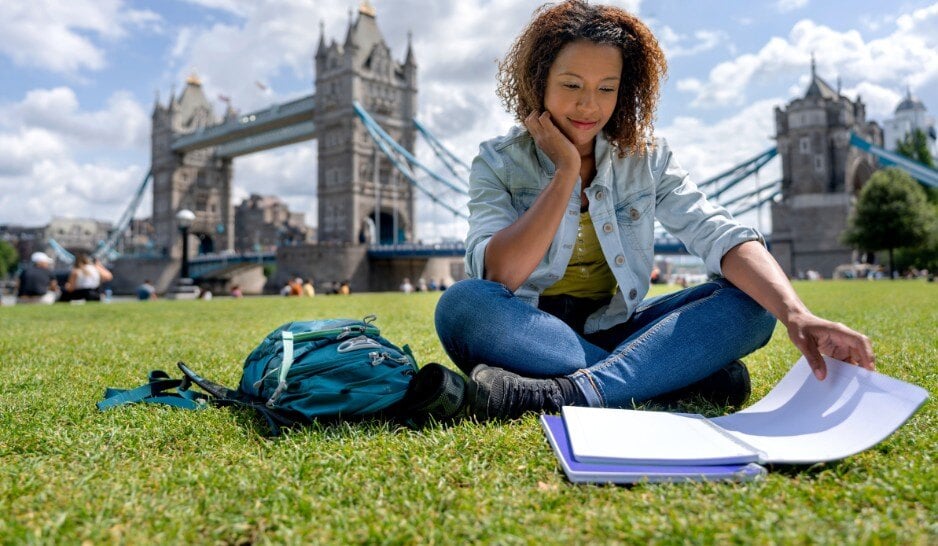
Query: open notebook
{"points": [[801, 420]]}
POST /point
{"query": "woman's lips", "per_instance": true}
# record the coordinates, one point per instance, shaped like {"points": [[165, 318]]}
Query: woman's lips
{"points": [[583, 125]]}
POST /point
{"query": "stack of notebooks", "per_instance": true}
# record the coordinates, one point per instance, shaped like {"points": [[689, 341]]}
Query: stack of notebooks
{"points": [[801, 421]]}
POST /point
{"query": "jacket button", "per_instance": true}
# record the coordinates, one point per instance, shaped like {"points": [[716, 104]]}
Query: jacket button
{"points": [[607, 227], [634, 214], [600, 195], [620, 259], [633, 293]]}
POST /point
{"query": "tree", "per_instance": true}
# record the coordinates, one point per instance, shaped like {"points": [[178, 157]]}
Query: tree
{"points": [[8, 258], [915, 147], [892, 212]]}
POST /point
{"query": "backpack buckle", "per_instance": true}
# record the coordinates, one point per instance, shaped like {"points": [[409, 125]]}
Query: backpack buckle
{"points": [[358, 343], [349, 330]]}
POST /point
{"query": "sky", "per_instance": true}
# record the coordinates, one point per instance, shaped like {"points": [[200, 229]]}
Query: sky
{"points": [[78, 81]]}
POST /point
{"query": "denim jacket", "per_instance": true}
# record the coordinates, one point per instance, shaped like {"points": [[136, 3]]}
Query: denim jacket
{"points": [[625, 198]]}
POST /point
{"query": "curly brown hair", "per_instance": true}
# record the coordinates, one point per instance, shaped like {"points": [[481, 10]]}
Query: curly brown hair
{"points": [[522, 75]]}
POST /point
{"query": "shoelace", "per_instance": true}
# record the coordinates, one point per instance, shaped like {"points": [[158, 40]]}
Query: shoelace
{"points": [[522, 396]]}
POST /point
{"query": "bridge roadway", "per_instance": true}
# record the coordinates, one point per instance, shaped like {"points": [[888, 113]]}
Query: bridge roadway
{"points": [[277, 125], [209, 264]]}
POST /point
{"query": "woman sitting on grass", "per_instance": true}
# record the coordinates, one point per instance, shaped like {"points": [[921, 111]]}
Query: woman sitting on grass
{"points": [[561, 237], [85, 280]]}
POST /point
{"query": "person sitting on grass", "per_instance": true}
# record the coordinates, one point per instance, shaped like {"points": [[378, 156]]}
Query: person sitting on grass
{"points": [[561, 241], [146, 291], [85, 279], [36, 283]]}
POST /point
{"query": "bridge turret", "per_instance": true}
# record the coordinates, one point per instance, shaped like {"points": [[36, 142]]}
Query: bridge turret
{"points": [[821, 174], [363, 69], [195, 180]]}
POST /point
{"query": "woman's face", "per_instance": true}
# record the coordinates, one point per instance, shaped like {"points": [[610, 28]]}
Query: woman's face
{"points": [[582, 87]]}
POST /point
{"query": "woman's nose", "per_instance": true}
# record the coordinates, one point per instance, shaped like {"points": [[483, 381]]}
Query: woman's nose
{"points": [[587, 101]]}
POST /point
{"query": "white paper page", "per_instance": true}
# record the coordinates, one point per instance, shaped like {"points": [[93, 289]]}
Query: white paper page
{"points": [[803, 420], [604, 435]]}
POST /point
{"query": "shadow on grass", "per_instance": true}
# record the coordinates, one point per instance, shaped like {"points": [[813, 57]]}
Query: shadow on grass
{"points": [[368, 426]]}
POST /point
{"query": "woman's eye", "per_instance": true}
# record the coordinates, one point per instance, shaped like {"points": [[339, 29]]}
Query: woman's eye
{"points": [[571, 86], [607, 90]]}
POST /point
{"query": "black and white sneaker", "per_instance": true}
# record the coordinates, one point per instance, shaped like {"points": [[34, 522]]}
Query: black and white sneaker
{"points": [[495, 393]]}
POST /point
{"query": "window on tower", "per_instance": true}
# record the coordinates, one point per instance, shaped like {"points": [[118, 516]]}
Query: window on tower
{"points": [[804, 145]]}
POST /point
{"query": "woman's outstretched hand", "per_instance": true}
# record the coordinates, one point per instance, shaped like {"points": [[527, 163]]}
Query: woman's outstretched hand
{"points": [[554, 143], [815, 336]]}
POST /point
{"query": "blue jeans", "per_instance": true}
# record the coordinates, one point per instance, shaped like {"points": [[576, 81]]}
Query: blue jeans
{"points": [[670, 341]]}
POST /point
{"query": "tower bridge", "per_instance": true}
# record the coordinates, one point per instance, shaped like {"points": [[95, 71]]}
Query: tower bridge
{"points": [[363, 119]]}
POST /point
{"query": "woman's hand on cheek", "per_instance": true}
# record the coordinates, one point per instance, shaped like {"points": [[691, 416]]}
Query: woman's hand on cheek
{"points": [[554, 143]]}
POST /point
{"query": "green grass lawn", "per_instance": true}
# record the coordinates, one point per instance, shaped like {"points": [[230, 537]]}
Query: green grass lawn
{"points": [[145, 474]]}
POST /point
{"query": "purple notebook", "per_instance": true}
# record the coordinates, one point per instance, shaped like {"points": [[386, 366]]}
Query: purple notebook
{"points": [[578, 472]]}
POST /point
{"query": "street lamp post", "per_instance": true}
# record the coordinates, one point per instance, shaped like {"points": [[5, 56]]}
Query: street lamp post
{"points": [[184, 219]]}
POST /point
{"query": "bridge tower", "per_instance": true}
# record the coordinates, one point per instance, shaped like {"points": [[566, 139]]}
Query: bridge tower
{"points": [[196, 180], [355, 206], [821, 176]]}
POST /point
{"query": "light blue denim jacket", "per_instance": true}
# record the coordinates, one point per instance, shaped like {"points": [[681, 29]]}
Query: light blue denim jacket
{"points": [[625, 198]]}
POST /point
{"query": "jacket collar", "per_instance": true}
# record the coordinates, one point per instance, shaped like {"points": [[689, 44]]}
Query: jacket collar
{"points": [[603, 153]]}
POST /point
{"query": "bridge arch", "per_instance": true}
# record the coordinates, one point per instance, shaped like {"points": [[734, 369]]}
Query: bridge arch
{"points": [[860, 168]]}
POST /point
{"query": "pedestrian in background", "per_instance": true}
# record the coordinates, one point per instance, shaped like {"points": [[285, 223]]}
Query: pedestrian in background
{"points": [[85, 279], [36, 283]]}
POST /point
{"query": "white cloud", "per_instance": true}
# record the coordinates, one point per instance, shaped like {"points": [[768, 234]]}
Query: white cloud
{"points": [[728, 142], [682, 45], [63, 187], [59, 35], [237, 7], [122, 124], [59, 160], [909, 54], [20, 150], [784, 6]]}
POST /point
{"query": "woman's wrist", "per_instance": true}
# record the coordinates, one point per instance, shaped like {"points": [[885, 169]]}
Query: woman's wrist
{"points": [[794, 314], [568, 173]]}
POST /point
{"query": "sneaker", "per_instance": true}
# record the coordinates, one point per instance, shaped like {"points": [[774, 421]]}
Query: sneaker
{"points": [[728, 386], [437, 392], [495, 393]]}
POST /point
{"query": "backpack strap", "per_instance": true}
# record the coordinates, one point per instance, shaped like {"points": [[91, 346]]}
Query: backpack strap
{"points": [[287, 337], [157, 390], [223, 396]]}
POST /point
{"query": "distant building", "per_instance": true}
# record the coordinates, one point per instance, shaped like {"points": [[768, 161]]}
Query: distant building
{"points": [[78, 234], [26, 240], [264, 222], [821, 176], [910, 115]]}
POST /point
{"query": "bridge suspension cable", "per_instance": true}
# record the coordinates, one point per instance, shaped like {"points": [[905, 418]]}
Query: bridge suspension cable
{"points": [[760, 159], [758, 203], [749, 194], [920, 172], [745, 170], [61, 252], [389, 146], [107, 247], [447, 157], [383, 135]]}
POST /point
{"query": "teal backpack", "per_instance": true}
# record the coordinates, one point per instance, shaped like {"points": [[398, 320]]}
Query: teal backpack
{"points": [[335, 368], [316, 370]]}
